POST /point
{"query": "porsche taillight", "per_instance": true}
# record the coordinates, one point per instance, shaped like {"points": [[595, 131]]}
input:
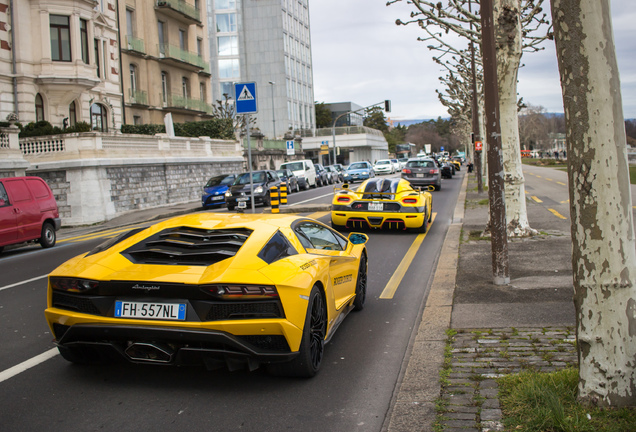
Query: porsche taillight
{"points": [[237, 292], [409, 201], [75, 285], [344, 199], [406, 171]]}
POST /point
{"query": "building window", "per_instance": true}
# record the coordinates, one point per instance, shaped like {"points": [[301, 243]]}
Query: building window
{"points": [[228, 45], [162, 36], [130, 22], [164, 87], [185, 87], [97, 62], [229, 68], [225, 4], [200, 47], [84, 39], [183, 40], [72, 114], [39, 108], [202, 92], [197, 5], [133, 78], [227, 88], [226, 23], [99, 119], [136, 119], [60, 30]]}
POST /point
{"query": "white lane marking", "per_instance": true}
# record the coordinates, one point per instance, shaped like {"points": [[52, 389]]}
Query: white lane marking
{"points": [[23, 282], [311, 199], [28, 364]]}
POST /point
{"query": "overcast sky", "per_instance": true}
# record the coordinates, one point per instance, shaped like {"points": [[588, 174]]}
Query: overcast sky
{"points": [[360, 55]]}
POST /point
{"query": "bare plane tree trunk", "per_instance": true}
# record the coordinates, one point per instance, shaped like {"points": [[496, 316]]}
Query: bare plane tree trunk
{"points": [[603, 244], [508, 36]]}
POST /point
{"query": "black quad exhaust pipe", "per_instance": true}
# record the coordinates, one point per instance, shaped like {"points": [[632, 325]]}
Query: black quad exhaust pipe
{"points": [[150, 352]]}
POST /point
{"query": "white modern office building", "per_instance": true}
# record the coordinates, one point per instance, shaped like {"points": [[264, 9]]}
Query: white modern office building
{"points": [[266, 42]]}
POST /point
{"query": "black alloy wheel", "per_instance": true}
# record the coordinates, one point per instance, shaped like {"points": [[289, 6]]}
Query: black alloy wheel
{"points": [[361, 285], [312, 345]]}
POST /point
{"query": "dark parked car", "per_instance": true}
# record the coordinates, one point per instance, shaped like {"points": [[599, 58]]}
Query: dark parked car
{"points": [[447, 169], [334, 174], [422, 172], [322, 176], [290, 179], [240, 189], [214, 190]]}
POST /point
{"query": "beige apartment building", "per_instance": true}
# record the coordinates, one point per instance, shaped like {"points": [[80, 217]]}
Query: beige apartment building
{"points": [[165, 60], [59, 61]]}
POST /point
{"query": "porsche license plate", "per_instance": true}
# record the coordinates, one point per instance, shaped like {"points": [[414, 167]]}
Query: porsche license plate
{"points": [[148, 310], [373, 206]]}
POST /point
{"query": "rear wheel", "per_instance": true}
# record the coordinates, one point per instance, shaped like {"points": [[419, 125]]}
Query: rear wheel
{"points": [[230, 207], [312, 346], [424, 227], [361, 285], [47, 239]]}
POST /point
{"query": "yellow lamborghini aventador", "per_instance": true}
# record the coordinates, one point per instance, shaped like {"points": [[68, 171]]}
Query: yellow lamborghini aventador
{"points": [[234, 290], [382, 203]]}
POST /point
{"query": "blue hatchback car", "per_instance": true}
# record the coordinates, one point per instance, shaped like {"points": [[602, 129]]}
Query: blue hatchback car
{"points": [[214, 190], [358, 171]]}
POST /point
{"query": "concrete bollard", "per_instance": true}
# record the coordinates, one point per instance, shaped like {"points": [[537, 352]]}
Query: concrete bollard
{"points": [[283, 193], [273, 197]]}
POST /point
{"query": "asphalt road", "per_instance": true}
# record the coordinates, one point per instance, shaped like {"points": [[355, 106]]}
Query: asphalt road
{"points": [[41, 391]]}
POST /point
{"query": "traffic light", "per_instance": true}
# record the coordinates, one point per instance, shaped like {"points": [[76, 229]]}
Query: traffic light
{"points": [[387, 105]]}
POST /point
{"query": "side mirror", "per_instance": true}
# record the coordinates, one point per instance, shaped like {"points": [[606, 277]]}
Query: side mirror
{"points": [[358, 238]]}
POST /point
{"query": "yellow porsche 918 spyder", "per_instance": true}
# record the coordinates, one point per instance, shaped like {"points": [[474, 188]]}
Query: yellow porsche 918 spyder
{"points": [[223, 290], [382, 203]]}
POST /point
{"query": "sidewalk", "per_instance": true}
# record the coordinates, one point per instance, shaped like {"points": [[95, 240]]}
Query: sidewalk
{"points": [[497, 330]]}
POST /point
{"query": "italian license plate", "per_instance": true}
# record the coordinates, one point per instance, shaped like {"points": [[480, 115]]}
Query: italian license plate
{"points": [[376, 206], [148, 310], [419, 175], [216, 198]]}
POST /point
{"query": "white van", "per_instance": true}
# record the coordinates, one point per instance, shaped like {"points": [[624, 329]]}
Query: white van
{"points": [[304, 170]]}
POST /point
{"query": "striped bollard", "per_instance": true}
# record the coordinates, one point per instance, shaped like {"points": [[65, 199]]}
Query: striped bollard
{"points": [[283, 193], [273, 196]]}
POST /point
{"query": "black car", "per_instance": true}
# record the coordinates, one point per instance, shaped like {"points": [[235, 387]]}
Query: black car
{"points": [[322, 176], [447, 170], [290, 179], [240, 189], [422, 172]]}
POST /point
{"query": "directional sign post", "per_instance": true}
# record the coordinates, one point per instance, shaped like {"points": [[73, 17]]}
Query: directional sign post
{"points": [[245, 96]]}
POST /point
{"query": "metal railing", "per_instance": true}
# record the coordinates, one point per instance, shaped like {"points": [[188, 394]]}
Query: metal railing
{"points": [[345, 130], [137, 97], [135, 44], [181, 6], [180, 101], [174, 52]]}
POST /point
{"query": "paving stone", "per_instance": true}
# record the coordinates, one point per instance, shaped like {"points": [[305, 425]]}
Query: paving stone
{"points": [[460, 416], [491, 404], [459, 424], [491, 426], [489, 393], [490, 414]]}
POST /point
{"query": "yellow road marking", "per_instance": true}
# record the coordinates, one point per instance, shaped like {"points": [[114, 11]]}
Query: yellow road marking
{"points": [[392, 286], [91, 236], [548, 179], [565, 202], [318, 215], [561, 183], [536, 199], [539, 176], [557, 214]]}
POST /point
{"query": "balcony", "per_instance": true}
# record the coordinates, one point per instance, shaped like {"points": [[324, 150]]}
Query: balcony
{"points": [[181, 58], [135, 45], [180, 103], [179, 10], [137, 97]]}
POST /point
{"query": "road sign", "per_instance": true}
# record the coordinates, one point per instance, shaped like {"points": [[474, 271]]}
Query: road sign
{"points": [[441, 148], [290, 148], [245, 96], [478, 146]]}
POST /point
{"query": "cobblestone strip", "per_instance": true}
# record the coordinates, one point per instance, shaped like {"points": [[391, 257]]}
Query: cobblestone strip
{"points": [[469, 399]]}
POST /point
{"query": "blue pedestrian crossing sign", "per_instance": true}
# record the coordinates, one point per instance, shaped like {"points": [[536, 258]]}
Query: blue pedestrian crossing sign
{"points": [[290, 147], [245, 96]]}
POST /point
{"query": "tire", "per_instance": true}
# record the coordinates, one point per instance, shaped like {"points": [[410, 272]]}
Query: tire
{"points": [[312, 345], [424, 227], [438, 187], [47, 239], [306, 186], [267, 201], [315, 185], [230, 207], [361, 285]]}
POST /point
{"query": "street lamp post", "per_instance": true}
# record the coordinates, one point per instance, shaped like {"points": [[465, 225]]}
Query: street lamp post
{"points": [[272, 83]]}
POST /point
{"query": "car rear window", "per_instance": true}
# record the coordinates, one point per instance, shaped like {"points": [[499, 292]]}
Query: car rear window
{"points": [[420, 164]]}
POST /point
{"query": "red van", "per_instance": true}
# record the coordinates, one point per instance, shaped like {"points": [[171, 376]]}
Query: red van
{"points": [[28, 212]]}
